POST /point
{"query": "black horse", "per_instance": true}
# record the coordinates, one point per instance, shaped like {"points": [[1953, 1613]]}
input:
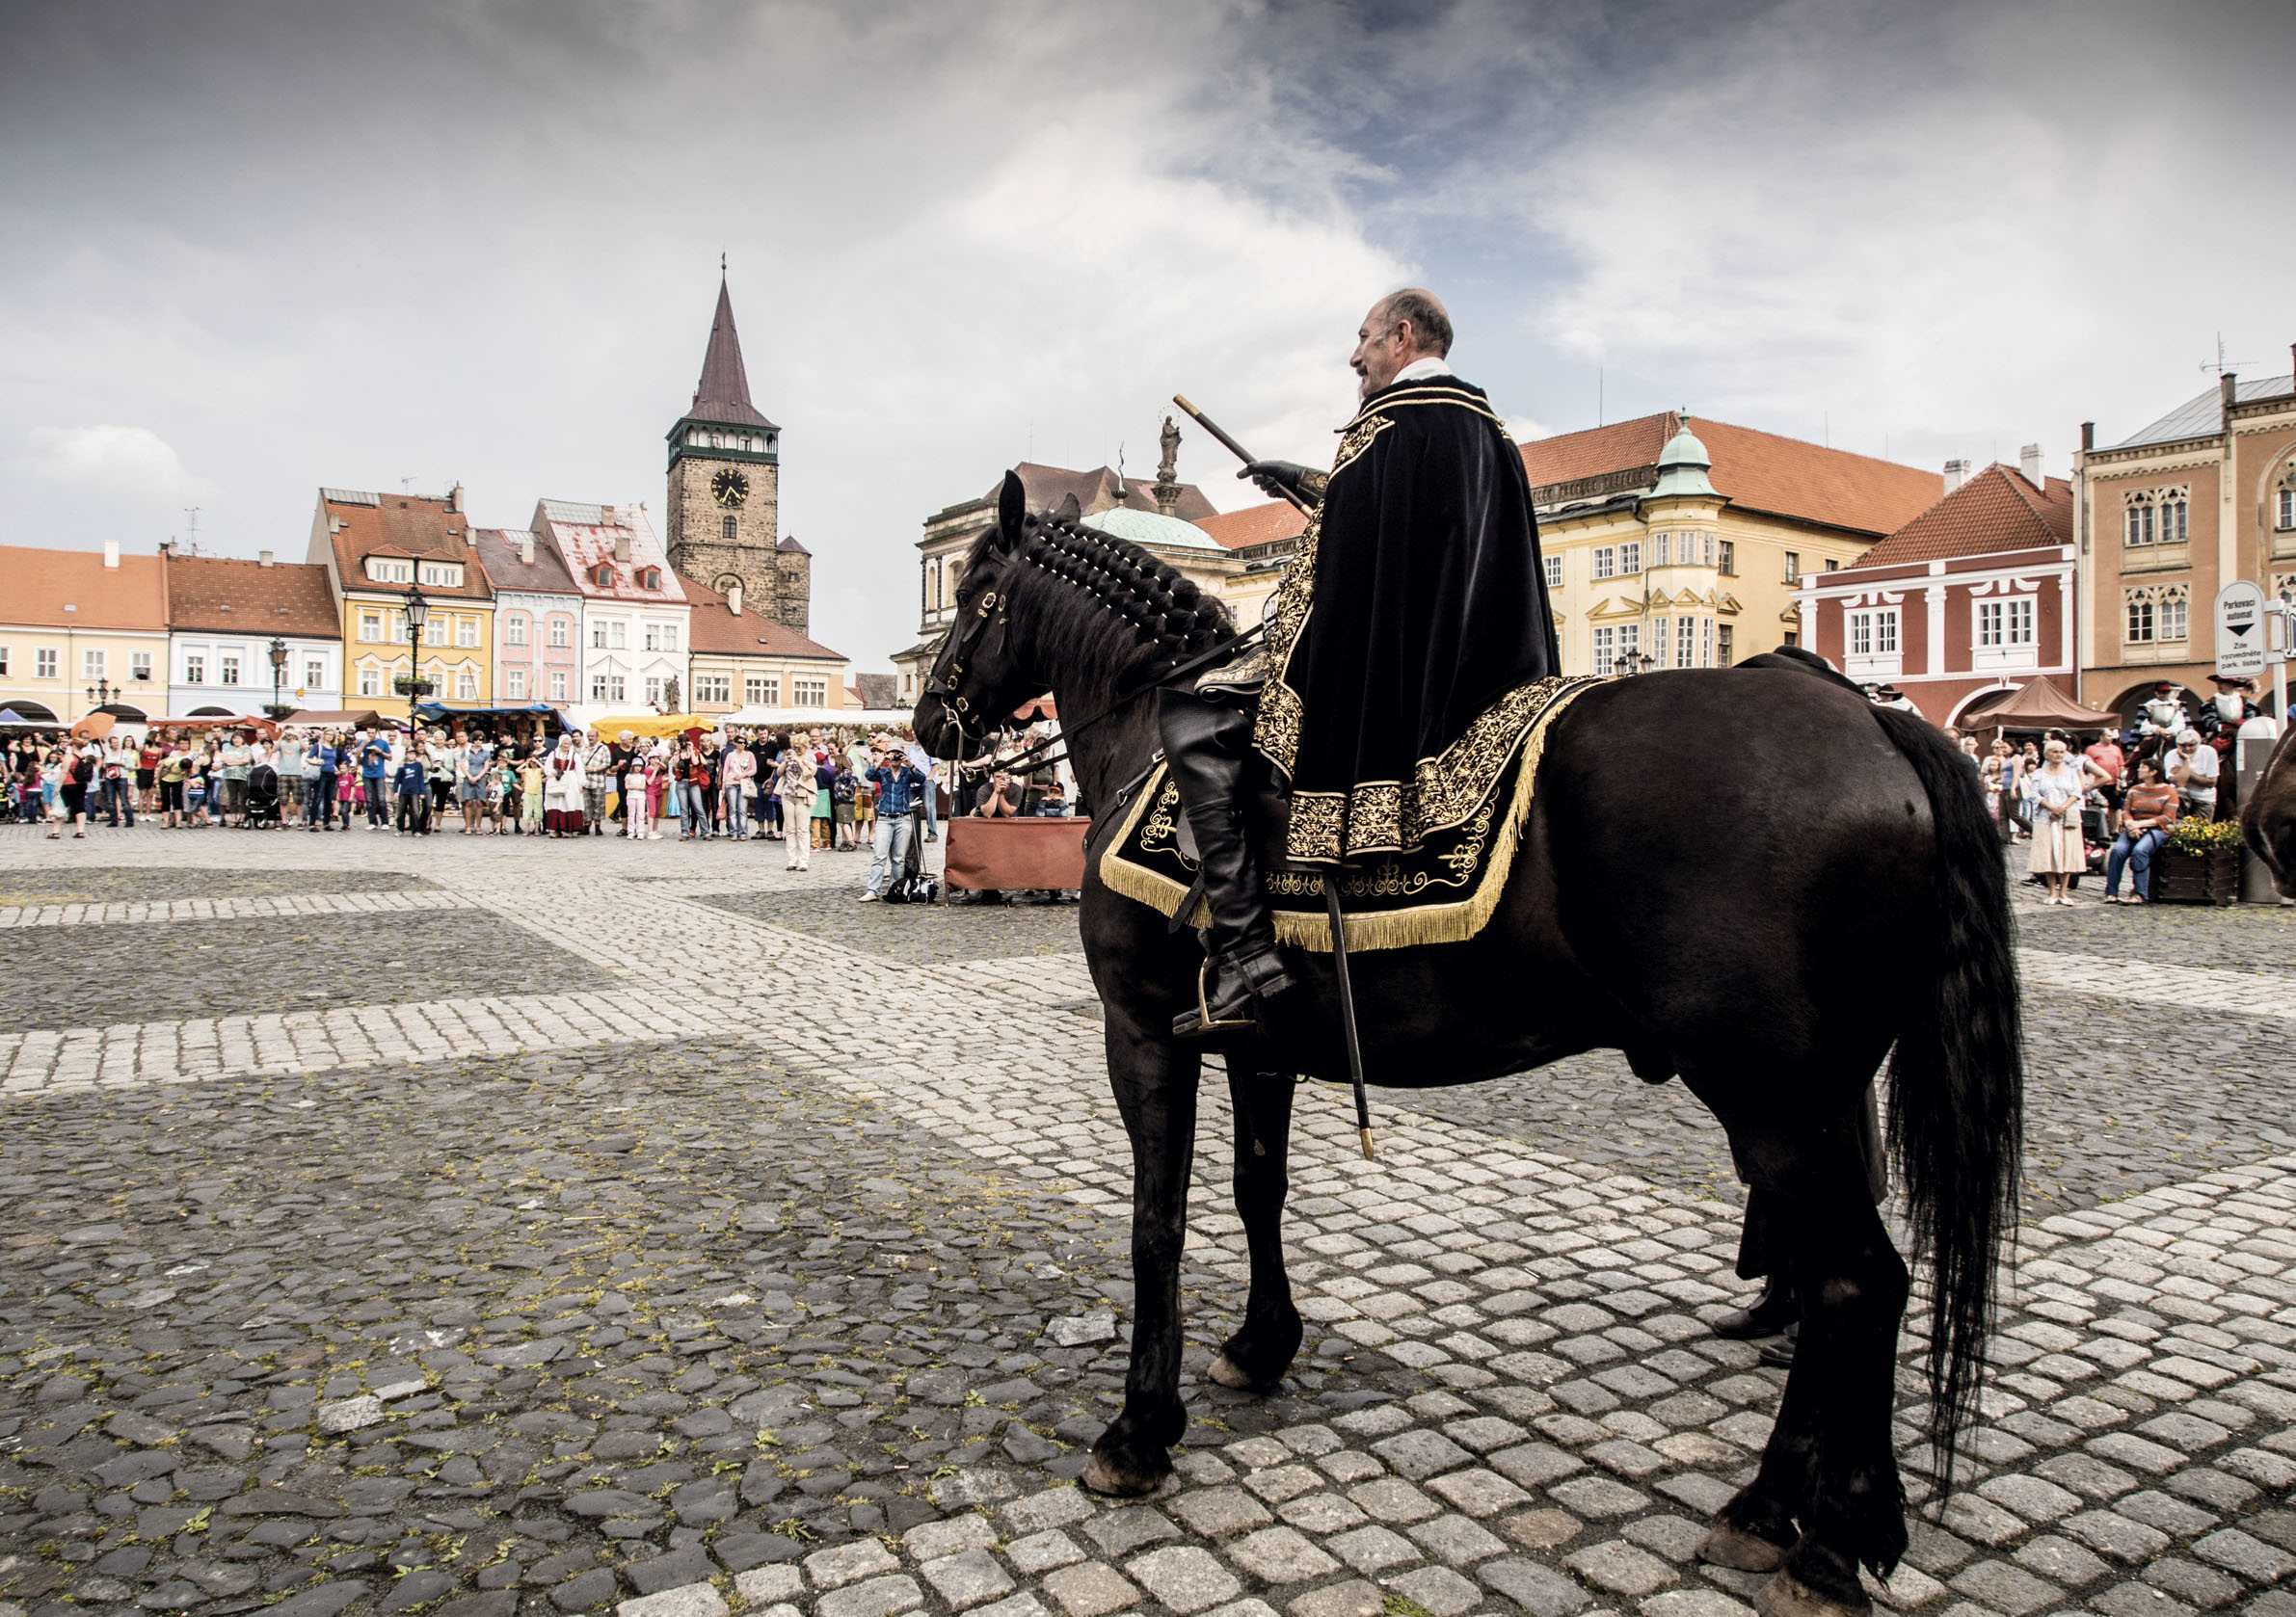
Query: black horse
{"points": [[1747, 878]]}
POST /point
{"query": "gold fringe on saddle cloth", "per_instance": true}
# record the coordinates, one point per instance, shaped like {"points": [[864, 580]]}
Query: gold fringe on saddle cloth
{"points": [[1444, 891]]}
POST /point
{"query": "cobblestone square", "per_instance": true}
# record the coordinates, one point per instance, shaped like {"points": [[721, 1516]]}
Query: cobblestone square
{"points": [[480, 1227]]}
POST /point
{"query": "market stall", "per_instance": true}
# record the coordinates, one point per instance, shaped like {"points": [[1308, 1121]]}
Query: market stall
{"points": [[1017, 854], [528, 723]]}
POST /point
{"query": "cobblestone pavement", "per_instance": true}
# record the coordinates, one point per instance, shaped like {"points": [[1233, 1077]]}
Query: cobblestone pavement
{"points": [[482, 1228]]}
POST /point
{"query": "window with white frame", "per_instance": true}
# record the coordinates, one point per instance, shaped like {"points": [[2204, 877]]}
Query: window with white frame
{"points": [[514, 629], [761, 690], [433, 629], [91, 662], [809, 693], [195, 666], [1705, 641], [1630, 557], [669, 637], [314, 673], [653, 691], [2175, 607], [1605, 562], [1686, 642], [2176, 519], [226, 668], [391, 570], [1630, 640], [2142, 625], [2156, 613], [2284, 508], [514, 683], [597, 687], [2005, 623], [558, 684], [3, 662], [370, 680], [651, 640], [598, 635], [1661, 549], [561, 631], [43, 662], [1793, 567], [2140, 524], [139, 665], [617, 634], [714, 687], [1660, 638], [1873, 642], [1605, 648], [1727, 551], [465, 683], [1725, 636], [1554, 566], [466, 632], [447, 576]]}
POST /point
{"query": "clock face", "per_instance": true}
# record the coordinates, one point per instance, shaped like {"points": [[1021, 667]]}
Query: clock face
{"points": [[728, 487]]}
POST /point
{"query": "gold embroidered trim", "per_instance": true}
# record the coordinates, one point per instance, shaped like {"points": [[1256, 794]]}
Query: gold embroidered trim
{"points": [[1446, 790], [1452, 922]]}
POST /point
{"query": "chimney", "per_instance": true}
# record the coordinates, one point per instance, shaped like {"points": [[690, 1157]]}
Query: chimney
{"points": [[2029, 462], [733, 598], [454, 498], [262, 558], [621, 547], [527, 548], [2088, 436], [2227, 388], [112, 554], [167, 546], [1956, 474], [608, 516]]}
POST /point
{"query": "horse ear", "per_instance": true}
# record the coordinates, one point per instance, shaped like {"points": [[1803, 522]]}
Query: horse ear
{"points": [[1070, 507], [1012, 510]]}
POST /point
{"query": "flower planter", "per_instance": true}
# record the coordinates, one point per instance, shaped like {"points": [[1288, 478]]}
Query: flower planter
{"points": [[2179, 877]]}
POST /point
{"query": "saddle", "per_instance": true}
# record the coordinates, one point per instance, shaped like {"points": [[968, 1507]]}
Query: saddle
{"points": [[1444, 892]]}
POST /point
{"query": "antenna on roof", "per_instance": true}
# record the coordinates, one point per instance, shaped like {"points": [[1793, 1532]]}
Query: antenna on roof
{"points": [[2221, 363], [406, 482], [190, 530], [1598, 379]]}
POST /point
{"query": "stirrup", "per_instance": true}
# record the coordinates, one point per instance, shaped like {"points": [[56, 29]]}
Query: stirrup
{"points": [[1205, 1024]]}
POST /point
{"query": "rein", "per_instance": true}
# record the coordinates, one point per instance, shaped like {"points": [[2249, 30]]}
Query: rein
{"points": [[1029, 759]]}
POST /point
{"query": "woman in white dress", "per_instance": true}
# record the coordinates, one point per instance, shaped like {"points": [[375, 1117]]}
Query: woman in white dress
{"points": [[2055, 853]]}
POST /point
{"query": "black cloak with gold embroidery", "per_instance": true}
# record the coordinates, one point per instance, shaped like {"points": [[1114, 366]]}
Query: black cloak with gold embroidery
{"points": [[1416, 602]]}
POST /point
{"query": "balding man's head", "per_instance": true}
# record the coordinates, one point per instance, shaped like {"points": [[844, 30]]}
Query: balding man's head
{"points": [[1401, 327]]}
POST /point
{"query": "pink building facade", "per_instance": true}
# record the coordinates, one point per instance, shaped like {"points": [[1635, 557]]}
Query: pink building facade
{"points": [[538, 618]]}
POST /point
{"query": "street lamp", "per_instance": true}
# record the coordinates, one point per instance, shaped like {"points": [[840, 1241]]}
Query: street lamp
{"points": [[418, 613], [279, 673], [102, 693], [1625, 666]]}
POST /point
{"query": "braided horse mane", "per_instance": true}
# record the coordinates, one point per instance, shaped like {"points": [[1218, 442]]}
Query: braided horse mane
{"points": [[1118, 609]]}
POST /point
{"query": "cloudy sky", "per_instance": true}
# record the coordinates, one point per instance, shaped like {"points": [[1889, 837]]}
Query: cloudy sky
{"points": [[248, 246]]}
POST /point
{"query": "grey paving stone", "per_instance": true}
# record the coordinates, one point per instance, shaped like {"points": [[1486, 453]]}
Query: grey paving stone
{"points": [[966, 1578], [692, 1600], [1536, 1589], [1091, 1589], [1184, 1577]]}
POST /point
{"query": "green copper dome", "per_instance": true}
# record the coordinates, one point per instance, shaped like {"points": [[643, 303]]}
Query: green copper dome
{"points": [[1683, 464]]}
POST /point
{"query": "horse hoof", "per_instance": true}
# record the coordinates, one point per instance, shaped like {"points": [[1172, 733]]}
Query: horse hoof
{"points": [[1104, 1476], [1228, 1374], [1725, 1546], [1787, 1596]]}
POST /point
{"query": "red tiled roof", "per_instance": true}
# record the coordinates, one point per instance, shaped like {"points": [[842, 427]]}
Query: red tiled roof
{"points": [[586, 539], [1996, 510], [415, 525], [225, 595], [501, 552], [1254, 524], [37, 585], [716, 631], [1758, 470], [1593, 451]]}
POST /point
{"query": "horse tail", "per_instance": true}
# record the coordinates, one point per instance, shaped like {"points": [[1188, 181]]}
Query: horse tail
{"points": [[1957, 1086]]}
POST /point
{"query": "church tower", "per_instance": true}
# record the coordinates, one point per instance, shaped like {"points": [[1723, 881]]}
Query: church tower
{"points": [[725, 488]]}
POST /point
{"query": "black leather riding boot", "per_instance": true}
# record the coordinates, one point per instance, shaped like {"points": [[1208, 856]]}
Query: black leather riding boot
{"points": [[1207, 741]]}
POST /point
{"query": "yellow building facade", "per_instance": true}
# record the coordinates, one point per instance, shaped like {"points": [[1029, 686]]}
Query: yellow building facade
{"points": [[82, 630], [378, 547]]}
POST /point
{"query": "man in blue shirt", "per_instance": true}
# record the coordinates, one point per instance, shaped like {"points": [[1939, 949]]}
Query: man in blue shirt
{"points": [[374, 753], [923, 761], [901, 786]]}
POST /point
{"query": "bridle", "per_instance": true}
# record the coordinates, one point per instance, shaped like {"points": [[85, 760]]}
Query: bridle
{"points": [[990, 613]]}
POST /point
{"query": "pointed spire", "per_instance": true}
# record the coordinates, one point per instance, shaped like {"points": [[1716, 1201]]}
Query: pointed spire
{"points": [[723, 392]]}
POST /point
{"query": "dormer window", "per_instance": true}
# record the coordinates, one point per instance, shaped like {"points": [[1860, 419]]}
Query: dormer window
{"points": [[391, 570], [650, 578], [446, 574], [604, 576]]}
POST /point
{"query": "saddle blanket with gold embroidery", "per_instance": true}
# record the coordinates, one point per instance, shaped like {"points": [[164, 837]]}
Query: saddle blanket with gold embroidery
{"points": [[1443, 892]]}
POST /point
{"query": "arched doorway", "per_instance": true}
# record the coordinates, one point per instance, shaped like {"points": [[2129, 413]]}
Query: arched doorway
{"points": [[31, 712], [2130, 702], [1971, 707]]}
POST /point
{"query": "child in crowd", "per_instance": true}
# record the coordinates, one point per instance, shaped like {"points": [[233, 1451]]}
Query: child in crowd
{"points": [[530, 790], [636, 822]]}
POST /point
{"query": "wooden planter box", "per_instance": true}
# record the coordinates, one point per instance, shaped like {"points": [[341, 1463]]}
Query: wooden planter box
{"points": [[2209, 878]]}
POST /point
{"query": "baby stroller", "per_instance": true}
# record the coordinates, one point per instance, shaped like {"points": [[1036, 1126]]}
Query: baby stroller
{"points": [[262, 796], [911, 886]]}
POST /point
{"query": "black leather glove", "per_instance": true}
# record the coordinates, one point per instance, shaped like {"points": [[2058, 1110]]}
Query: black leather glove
{"points": [[1284, 479]]}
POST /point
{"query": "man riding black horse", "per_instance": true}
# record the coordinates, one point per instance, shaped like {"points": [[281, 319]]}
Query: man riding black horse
{"points": [[1417, 598]]}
